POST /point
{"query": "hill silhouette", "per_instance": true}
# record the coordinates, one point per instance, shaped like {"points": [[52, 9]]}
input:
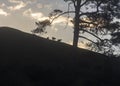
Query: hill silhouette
{"points": [[28, 60]]}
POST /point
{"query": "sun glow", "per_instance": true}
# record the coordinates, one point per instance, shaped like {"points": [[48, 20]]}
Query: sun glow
{"points": [[80, 45], [89, 23]]}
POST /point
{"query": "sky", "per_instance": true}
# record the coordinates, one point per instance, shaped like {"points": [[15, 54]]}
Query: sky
{"points": [[22, 15]]}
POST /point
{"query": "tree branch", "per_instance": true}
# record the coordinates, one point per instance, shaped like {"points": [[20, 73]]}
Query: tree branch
{"points": [[92, 34], [91, 41], [88, 39], [83, 3], [98, 4], [87, 13], [62, 14], [74, 3]]}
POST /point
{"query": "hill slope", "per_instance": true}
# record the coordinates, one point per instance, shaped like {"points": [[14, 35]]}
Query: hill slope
{"points": [[28, 60]]}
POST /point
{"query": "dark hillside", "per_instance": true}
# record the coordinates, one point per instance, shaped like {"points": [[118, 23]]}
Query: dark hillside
{"points": [[28, 60]]}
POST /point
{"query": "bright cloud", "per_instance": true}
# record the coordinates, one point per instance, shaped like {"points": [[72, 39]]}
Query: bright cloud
{"points": [[60, 20], [63, 20], [39, 16], [20, 4], [2, 12], [35, 15]]}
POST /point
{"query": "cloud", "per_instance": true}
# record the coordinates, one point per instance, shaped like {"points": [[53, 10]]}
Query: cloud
{"points": [[63, 20], [14, 1], [20, 4], [2, 12], [39, 16], [48, 6], [2, 4]]}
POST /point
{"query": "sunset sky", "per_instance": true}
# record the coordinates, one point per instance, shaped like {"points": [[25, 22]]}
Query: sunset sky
{"points": [[22, 15]]}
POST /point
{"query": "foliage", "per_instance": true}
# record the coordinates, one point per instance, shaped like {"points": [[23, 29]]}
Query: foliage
{"points": [[41, 26], [97, 20]]}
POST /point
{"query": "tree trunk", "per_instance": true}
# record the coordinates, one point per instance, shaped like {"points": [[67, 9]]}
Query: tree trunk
{"points": [[76, 25]]}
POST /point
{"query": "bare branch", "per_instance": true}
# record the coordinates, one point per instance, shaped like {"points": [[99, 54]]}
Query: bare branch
{"points": [[92, 34], [98, 5], [83, 3], [88, 13], [74, 3], [62, 14], [88, 39], [91, 41]]}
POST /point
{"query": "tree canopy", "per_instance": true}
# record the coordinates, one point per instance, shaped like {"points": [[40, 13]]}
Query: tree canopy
{"points": [[97, 18]]}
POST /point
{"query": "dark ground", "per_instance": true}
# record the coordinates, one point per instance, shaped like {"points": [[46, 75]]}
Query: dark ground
{"points": [[28, 60]]}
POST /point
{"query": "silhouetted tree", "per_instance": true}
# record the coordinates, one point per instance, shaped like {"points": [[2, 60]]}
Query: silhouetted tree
{"points": [[94, 17], [41, 26]]}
